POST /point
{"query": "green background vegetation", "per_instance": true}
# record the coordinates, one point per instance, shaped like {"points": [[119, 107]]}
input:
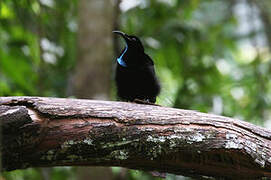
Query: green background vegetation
{"points": [[211, 56]]}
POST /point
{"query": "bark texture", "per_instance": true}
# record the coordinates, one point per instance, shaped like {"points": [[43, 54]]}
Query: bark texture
{"points": [[42, 132]]}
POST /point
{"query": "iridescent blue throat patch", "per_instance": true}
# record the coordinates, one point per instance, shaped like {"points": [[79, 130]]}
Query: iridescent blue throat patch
{"points": [[120, 60]]}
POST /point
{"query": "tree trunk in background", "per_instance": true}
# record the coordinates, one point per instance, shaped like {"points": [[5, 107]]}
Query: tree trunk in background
{"points": [[95, 50], [93, 71]]}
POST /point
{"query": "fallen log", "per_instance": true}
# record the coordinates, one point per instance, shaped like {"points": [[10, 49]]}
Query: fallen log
{"points": [[47, 132]]}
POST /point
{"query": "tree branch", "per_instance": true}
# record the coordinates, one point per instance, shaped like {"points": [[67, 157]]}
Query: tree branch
{"points": [[40, 132]]}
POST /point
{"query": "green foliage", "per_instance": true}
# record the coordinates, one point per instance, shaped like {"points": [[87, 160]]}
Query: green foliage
{"points": [[197, 50], [198, 58], [57, 173], [29, 174], [37, 48]]}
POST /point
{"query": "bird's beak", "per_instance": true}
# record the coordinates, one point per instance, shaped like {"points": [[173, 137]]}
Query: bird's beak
{"points": [[125, 36]]}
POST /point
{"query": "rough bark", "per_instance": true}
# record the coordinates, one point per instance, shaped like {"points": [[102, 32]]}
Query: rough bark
{"points": [[46, 132]]}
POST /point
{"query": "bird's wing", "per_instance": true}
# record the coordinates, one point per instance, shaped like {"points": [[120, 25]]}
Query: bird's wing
{"points": [[148, 61]]}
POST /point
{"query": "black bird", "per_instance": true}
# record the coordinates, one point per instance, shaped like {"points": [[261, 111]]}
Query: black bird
{"points": [[135, 75]]}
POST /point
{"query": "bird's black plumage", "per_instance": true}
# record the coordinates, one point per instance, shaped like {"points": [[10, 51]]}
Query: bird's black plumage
{"points": [[135, 75]]}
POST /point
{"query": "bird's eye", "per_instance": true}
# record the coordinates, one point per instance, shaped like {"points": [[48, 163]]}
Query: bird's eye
{"points": [[134, 39]]}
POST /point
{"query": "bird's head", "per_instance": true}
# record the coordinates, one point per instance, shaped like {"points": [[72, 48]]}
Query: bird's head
{"points": [[132, 42]]}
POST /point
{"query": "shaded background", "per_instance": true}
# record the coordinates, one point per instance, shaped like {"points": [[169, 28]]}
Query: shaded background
{"points": [[211, 56]]}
